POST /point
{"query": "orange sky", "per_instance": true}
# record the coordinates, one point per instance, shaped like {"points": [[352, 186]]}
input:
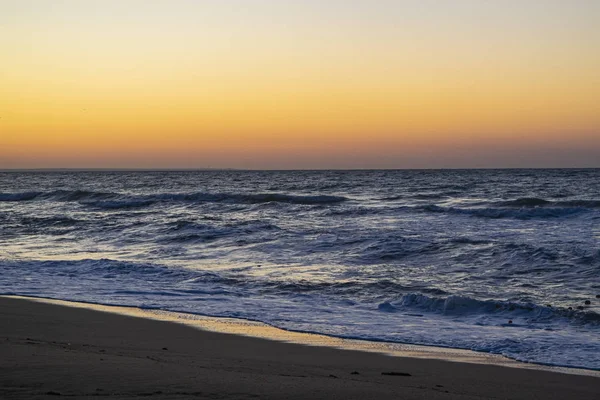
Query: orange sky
{"points": [[282, 84]]}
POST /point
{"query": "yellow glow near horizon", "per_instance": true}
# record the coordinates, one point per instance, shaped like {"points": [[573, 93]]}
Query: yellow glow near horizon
{"points": [[266, 84]]}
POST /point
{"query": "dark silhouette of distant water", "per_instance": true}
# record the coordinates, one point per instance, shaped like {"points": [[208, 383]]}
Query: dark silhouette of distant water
{"points": [[437, 257]]}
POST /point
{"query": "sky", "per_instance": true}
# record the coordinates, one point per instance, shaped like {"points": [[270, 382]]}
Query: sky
{"points": [[285, 84]]}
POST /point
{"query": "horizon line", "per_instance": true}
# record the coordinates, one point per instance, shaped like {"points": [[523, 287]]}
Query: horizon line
{"points": [[207, 169]]}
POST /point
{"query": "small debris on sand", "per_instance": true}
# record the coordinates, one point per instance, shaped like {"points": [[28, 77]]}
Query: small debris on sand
{"points": [[396, 373]]}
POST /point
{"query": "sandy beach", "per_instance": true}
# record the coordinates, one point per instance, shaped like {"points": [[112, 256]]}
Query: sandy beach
{"points": [[47, 351]]}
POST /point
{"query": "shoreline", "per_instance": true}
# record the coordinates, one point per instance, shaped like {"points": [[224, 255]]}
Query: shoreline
{"points": [[261, 330], [49, 350]]}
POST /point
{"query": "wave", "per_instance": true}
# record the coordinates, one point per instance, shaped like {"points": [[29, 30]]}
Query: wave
{"points": [[456, 306], [497, 212], [61, 221], [428, 196], [524, 202], [522, 208], [189, 279], [241, 231], [24, 196], [468, 240], [253, 198], [159, 281], [76, 195], [537, 202], [94, 268], [118, 204], [405, 298], [579, 203], [394, 248], [111, 200]]}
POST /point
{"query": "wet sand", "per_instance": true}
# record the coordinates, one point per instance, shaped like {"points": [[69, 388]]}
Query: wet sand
{"points": [[50, 351]]}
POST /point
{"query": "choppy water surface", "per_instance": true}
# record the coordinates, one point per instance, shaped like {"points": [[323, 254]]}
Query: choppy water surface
{"points": [[500, 261]]}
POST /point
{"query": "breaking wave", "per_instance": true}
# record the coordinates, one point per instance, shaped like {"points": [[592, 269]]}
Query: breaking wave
{"points": [[456, 306], [181, 281], [122, 200]]}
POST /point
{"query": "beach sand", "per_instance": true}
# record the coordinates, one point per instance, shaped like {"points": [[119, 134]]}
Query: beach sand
{"points": [[50, 351]]}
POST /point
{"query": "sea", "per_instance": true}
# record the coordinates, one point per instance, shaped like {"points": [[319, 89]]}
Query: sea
{"points": [[498, 261]]}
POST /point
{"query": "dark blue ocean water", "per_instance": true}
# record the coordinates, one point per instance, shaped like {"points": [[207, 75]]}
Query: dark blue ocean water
{"points": [[443, 258]]}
